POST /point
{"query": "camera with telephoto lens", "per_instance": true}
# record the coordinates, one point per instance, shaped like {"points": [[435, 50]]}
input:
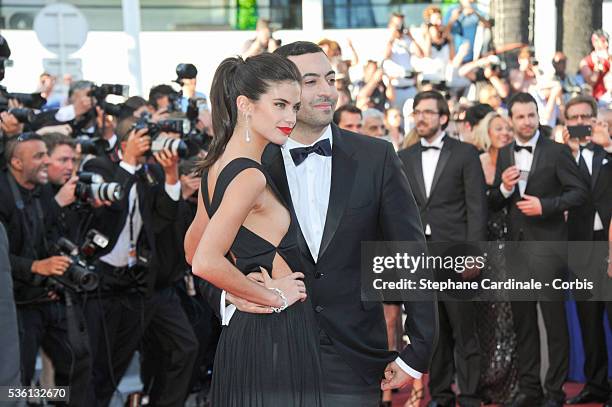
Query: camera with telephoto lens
{"points": [[80, 276], [158, 142], [23, 115], [195, 139], [102, 91], [91, 186], [29, 100]]}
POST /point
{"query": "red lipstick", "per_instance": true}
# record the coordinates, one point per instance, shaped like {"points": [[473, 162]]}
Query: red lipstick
{"points": [[286, 130]]}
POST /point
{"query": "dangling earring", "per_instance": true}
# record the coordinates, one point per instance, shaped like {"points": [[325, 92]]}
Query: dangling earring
{"points": [[248, 136]]}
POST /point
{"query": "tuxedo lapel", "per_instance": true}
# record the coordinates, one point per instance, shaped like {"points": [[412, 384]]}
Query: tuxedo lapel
{"points": [[598, 157], [273, 161], [537, 155], [445, 154], [417, 170], [342, 178]]}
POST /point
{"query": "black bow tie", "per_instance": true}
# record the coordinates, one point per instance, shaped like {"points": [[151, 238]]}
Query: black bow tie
{"points": [[425, 148], [322, 147], [588, 146], [518, 148]]}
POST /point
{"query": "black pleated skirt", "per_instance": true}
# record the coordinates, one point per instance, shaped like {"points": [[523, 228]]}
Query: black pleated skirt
{"points": [[268, 360]]}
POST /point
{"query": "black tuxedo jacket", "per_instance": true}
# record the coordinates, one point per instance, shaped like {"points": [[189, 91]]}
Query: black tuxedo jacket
{"points": [[553, 178], [456, 209], [157, 209], [370, 200], [580, 219]]}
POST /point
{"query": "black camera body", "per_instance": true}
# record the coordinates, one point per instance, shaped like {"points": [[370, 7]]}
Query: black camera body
{"points": [[102, 91], [158, 142], [80, 276], [29, 100], [23, 115], [91, 186]]}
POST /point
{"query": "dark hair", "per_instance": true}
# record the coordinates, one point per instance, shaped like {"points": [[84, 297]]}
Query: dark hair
{"points": [[53, 140], [582, 99], [298, 48], [12, 143], [234, 77], [158, 92], [346, 108], [521, 97], [441, 103], [124, 127], [474, 114]]}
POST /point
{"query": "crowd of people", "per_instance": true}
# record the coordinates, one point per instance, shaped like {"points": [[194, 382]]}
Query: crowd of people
{"points": [[97, 199]]}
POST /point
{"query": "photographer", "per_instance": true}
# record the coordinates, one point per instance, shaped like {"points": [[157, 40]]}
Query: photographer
{"points": [[28, 210], [596, 65], [170, 347], [484, 72], [186, 76], [128, 265], [263, 41], [591, 146], [397, 60], [164, 99]]}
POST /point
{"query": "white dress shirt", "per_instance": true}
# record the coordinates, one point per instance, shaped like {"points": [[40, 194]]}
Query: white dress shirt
{"points": [[429, 162], [587, 155], [119, 255], [523, 160], [309, 184]]}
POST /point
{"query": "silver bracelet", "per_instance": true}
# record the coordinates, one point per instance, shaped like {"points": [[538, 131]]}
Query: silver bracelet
{"points": [[282, 296]]}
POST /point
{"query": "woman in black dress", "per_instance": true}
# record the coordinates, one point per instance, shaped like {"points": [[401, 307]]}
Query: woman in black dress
{"points": [[242, 225], [499, 377]]}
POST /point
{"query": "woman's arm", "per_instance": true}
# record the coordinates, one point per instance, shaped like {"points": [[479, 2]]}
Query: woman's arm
{"points": [[209, 262], [196, 230]]}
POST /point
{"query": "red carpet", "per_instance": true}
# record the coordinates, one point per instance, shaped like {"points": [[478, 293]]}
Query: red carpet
{"points": [[571, 389]]}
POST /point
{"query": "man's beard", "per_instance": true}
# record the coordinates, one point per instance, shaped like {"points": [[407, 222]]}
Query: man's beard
{"points": [[427, 132]]}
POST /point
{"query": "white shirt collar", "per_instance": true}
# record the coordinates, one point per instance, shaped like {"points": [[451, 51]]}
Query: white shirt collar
{"points": [[436, 142], [291, 143]]}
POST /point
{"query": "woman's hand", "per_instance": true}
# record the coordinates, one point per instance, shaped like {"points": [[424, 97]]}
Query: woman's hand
{"points": [[292, 287]]}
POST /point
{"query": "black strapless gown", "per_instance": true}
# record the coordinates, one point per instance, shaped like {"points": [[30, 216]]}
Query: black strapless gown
{"points": [[264, 360]]}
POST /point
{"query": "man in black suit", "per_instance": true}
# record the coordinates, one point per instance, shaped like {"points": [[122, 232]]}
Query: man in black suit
{"points": [[590, 222], [345, 188], [128, 268], [449, 186], [537, 180]]}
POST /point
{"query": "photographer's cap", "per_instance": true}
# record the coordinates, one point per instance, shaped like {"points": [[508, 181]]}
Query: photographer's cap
{"points": [[5, 51], [186, 71]]}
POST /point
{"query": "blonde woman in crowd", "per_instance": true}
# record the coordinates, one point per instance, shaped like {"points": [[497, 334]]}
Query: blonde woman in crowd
{"points": [[498, 380]]}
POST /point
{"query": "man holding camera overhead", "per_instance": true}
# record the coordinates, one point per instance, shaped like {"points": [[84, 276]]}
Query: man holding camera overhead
{"points": [[28, 210], [591, 147], [128, 265]]}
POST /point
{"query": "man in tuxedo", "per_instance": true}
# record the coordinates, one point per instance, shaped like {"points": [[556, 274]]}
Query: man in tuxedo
{"points": [[449, 186], [590, 222], [128, 268], [345, 188], [537, 180]]}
